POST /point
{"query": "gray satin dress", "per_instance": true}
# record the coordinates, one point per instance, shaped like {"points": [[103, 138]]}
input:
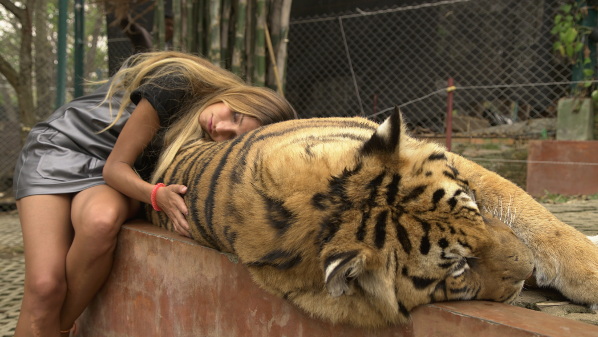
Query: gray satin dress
{"points": [[66, 153]]}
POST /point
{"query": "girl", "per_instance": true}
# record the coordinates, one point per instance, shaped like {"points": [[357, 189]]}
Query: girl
{"points": [[82, 173]]}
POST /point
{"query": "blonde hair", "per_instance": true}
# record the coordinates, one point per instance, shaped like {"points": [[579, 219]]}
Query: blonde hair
{"points": [[262, 103], [201, 78]]}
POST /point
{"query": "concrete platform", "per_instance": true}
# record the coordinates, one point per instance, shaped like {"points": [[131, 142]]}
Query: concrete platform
{"points": [[163, 284]]}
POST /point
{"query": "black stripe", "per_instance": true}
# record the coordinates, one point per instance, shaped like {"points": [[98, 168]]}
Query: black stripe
{"points": [[403, 310], [464, 244], [360, 234], [230, 235], [421, 282], [392, 189], [279, 217], [437, 196], [437, 156], [380, 229], [449, 175], [318, 200], [403, 237], [414, 193], [328, 229], [216, 178], [278, 259], [452, 202], [424, 245]]}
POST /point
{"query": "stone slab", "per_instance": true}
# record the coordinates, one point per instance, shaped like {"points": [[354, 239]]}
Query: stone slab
{"points": [[575, 119], [165, 285]]}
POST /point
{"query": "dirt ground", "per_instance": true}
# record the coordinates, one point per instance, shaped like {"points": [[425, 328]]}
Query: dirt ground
{"points": [[582, 214]]}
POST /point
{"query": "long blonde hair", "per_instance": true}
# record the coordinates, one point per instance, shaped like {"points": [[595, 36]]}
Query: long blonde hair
{"points": [[262, 103], [202, 78]]}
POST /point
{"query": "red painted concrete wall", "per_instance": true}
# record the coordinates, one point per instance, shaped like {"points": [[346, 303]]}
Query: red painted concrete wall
{"points": [[562, 167], [165, 285]]}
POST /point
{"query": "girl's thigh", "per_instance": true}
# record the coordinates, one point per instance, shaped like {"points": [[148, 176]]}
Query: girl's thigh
{"points": [[47, 235]]}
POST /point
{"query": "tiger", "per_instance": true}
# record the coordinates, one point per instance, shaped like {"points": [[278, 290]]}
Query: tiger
{"points": [[358, 223]]}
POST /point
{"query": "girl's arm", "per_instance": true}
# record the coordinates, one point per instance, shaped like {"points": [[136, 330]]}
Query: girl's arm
{"points": [[120, 175]]}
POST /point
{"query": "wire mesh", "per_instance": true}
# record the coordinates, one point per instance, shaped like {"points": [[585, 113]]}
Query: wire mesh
{"points": [[366, 61], [363, 63]]}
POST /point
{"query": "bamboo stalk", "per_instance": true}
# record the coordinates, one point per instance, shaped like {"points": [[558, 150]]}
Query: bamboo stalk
{"points": [[200, 12], [238, 63], [224, 33], [159, 25], [249, 38], [213, 33], [281, 56], [191, 36], [177, 36], [273, 31], [259, 53], [273, 63]]}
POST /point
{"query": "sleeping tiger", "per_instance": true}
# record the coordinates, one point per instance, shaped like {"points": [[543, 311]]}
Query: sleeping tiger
{"points": [[359, 223]]}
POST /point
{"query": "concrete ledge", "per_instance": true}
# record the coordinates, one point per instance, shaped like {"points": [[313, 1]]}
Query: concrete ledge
{"points": [[165, 285]]}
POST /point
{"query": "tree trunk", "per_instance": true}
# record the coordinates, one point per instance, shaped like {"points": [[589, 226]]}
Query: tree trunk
{"points": [[44, 61], [24, 87]]}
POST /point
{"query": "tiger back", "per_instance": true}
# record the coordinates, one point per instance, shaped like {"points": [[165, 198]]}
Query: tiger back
{"points": [[353, 222]]}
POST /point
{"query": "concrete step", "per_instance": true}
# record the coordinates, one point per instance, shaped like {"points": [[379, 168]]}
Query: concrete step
{"points": [[165, 285]]}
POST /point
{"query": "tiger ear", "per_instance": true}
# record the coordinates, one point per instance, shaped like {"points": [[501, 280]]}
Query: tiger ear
{"points": [[387, 137], [341, 271], [345, 269]]}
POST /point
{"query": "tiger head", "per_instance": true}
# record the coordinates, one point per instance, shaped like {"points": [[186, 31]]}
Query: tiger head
{"points": [[413, 232], [398, 227]]}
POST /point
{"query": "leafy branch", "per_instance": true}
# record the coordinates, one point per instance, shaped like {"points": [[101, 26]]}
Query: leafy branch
{"points": [[572, 38]]}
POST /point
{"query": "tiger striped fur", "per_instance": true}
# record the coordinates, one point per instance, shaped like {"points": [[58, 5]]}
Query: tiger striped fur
{"points": [[359, 223]]}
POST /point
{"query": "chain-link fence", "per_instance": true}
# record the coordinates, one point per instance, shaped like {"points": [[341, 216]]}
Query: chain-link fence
{"points": [[10, 143], [368, 60], [499, 54]]}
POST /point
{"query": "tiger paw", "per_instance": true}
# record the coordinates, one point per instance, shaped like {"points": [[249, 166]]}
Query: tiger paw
{"points": [[576, 272]]}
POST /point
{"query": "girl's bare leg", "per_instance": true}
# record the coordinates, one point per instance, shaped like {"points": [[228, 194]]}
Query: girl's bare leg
{"points": [[47, 235], [97, 215]]}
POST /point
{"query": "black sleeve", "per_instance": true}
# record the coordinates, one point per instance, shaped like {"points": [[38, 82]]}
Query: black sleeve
{"points": [[166, 95]]}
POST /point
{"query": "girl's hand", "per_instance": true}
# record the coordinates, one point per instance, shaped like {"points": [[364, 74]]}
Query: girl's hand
{"points": [[171, 202]]}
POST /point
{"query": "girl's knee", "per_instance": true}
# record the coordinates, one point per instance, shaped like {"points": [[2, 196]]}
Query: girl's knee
{"points": [[102, 224], [46, 291]]}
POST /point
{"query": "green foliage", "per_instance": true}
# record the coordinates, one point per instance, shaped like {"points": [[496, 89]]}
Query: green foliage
{"points": [[572, 38]]}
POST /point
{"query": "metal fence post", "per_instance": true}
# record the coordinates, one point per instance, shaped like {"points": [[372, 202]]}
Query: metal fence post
{"points": [[61, 53], [79, 47]]}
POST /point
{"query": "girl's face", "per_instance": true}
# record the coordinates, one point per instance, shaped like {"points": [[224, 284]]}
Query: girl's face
{"points": [[221, 123]]}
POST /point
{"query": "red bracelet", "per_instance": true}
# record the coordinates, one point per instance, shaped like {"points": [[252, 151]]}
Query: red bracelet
{"points": [[153, 196]]}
